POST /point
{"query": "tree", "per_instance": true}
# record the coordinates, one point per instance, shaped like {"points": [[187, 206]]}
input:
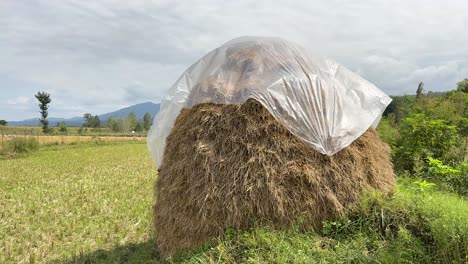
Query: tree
{"points": [[112, 124], [147, 121], [463, 86], [91, 121], [420, 90], [44, 101], [96, 121], [3, 123], [87, 117], [132, 120], [138, 127]]}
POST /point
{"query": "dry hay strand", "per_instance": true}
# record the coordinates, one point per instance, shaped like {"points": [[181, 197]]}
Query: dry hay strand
{"points": [[236, 166]]}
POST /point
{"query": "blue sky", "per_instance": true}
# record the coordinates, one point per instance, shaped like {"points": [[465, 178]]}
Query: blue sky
{"points": [[98, 56]]}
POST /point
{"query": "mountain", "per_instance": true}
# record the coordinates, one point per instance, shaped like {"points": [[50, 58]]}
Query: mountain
{"points": [[75, 121], [138, 109]]}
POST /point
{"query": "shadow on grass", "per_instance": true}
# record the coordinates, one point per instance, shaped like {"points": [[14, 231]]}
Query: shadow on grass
{"points": [[143, 252]]}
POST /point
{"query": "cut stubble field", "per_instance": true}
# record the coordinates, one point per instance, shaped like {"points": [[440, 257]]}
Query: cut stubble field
{"points": [[70, 204]]}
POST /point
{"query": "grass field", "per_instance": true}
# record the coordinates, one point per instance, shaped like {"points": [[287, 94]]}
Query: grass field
{"points": [[63, 203], [91, 203]]}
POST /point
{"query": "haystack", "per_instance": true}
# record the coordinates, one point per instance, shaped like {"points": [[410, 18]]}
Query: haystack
{"points": [[235, 165]]}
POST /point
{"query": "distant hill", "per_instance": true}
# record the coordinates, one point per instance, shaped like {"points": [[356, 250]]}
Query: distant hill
{"points": [[138, 109], [75, 121]]}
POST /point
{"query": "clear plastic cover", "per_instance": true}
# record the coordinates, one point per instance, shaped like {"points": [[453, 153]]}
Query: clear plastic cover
{"points": [[315, 98]]}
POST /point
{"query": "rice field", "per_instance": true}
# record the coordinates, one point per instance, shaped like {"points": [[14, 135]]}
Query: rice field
{"points": [[72, 139], [37, 131], [70, 203]]}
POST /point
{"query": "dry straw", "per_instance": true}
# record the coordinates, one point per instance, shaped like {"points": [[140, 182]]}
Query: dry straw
{"points": [[236, 166]]}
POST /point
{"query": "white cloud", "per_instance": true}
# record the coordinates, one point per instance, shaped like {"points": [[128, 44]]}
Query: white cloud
{"points": [[96, 56], [20, 100]]}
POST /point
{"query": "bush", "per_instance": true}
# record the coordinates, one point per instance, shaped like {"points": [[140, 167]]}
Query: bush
{"points": [[62, 126], [463, 127], [387, 130], [421, 138], [449, 178]]}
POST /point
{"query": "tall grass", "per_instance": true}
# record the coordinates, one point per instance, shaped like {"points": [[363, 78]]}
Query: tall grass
{"points": [[18, 146]]}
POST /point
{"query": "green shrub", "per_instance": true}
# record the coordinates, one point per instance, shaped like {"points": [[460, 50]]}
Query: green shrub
{"points": [[463, 127], [62, 127], [420, 138], [449, 178], [387, 130]]}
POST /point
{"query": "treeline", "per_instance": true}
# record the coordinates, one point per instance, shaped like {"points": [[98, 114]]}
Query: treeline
{"points": [[428, 133], [130, 123], [116, 124], [119, 124]]}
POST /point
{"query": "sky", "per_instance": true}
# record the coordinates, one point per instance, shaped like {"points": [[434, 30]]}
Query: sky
{"points": [[99, 56]]}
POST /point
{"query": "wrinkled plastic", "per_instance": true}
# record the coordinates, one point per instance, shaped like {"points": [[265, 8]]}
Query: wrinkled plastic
{"points": [[315, 98]]}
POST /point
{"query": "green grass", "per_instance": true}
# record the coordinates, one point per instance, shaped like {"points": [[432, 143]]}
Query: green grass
{"points": [[92, 204], [77, 202], [407, 227]]}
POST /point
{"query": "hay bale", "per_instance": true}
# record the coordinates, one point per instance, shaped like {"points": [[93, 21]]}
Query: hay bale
{"points": [[236, 166]]}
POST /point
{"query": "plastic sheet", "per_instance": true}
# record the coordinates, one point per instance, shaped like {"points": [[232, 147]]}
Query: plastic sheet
{"points": [[315, 98]]}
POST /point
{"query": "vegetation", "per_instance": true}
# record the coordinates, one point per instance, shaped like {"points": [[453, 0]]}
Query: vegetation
{"points": [[65, 202], [421, 138], [463, 86], [82, 131], [97, 209], [14, 147], [91, 203], [130, 123], [17, 147], [62, 127], [3, 123], [44, 101], [147, 121], [429, 137], [405, 227], [91, 121]]}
